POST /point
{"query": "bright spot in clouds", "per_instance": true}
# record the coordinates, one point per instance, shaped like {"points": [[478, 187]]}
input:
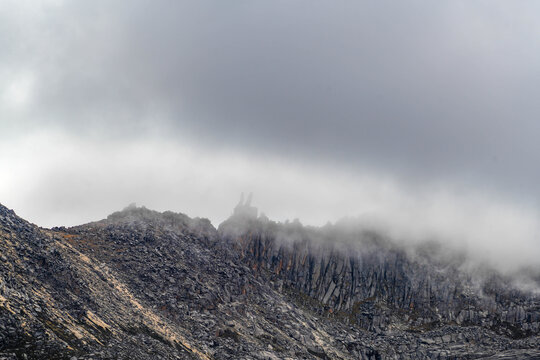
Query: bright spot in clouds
{"points": [[17, 92]]}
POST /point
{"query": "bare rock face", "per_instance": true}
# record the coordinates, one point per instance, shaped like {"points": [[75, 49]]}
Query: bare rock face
{"points": [[147, 285], [369, 282]]}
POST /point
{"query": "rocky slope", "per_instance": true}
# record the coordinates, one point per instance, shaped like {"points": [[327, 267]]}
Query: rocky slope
{"points": [[147, 285]]}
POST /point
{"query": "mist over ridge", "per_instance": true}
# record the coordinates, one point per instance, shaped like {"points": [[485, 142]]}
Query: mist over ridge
{"points": [[350, 236], [358, 236], [501, 231]]}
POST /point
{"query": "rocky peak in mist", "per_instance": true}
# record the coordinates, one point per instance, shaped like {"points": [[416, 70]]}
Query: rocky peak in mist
{"points": [[143, 216], [379, 283], [244, 209]]}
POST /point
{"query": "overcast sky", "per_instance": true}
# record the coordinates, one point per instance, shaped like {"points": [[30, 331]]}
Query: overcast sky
{"points": [[424, 114]]}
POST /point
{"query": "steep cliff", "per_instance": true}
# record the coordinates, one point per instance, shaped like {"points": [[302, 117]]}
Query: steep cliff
{"points": [[379, 284]]}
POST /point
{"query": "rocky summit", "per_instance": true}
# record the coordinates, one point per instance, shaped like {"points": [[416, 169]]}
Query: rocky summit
{"points": [[142, 284]]}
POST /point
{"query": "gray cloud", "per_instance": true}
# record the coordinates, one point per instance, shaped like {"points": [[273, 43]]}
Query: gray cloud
{"points": [[429, 94], [422, 89]]}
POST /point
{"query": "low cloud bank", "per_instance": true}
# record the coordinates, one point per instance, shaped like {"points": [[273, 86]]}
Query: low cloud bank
{"points": [[52, 178]]}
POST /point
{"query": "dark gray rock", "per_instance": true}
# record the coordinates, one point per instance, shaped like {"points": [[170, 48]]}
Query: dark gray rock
{"points": [[142, 284]]}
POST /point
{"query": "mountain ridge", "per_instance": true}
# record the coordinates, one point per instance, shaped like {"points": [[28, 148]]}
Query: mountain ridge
{"points": [[143, 284]]}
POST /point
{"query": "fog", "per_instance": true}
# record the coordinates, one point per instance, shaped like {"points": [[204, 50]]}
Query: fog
{"points": [[419, 119], [57, 179]]}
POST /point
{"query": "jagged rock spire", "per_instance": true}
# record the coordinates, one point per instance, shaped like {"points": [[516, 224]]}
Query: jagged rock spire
{"points": [[241, 203], [245, 209]]}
